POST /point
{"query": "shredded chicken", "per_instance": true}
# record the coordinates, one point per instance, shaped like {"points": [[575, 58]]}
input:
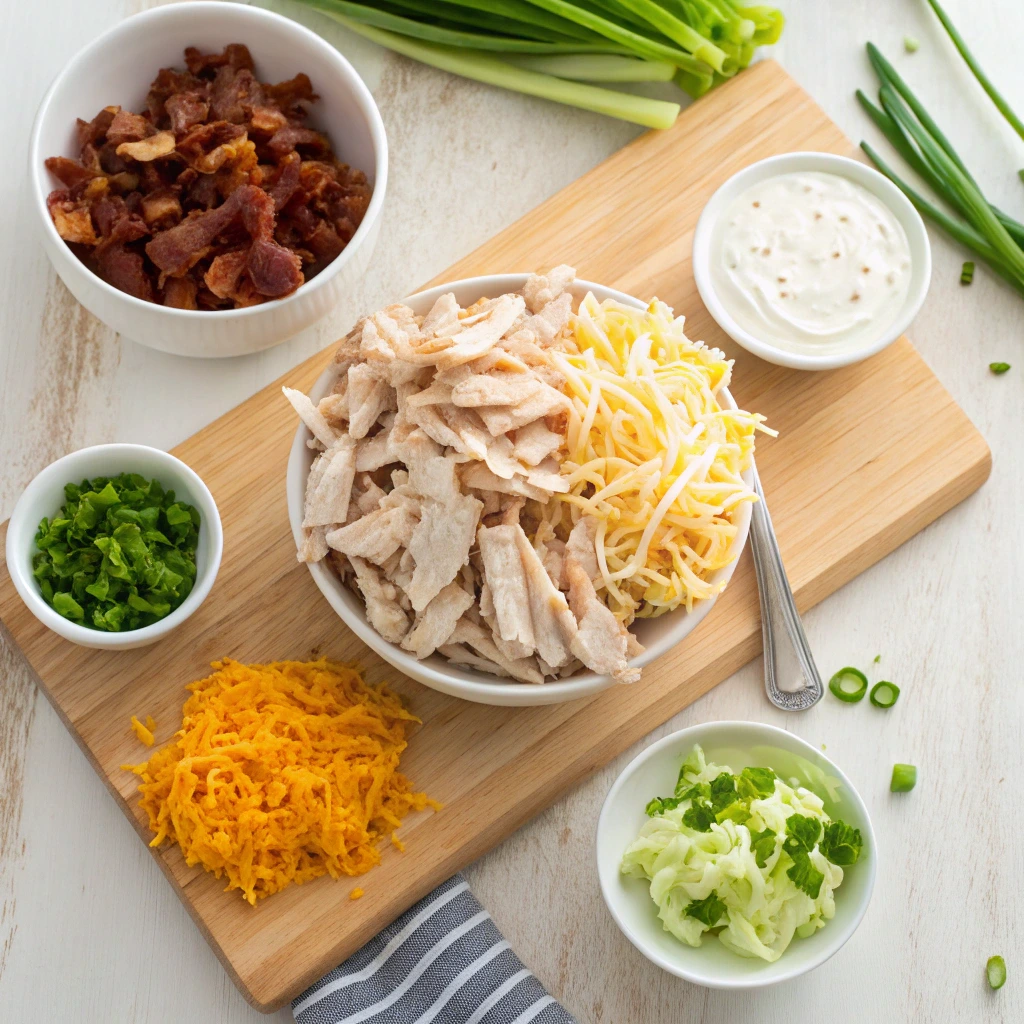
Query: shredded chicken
{"points": [[438, 451]]}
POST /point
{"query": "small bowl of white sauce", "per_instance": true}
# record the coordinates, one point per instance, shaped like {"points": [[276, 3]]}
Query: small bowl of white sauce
{"points": [[811, 260]]}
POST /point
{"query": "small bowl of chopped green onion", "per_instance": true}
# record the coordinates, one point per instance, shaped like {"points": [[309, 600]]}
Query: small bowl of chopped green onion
{"points": [[735, 855], [114, 546]]}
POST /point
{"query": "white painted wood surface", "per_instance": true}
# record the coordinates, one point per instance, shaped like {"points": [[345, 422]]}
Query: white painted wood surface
{"points": [[90, 931]]}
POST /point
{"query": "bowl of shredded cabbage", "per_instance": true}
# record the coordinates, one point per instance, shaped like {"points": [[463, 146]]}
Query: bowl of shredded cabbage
{"points": [[735, 855]]}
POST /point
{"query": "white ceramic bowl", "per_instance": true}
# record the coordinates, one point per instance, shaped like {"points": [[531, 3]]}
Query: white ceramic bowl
{"points": [[116, 69], [657, 635], [788, 163], [44, 497], [738, 745]]}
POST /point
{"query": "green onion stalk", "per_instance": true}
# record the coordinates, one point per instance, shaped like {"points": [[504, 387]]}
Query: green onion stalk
{"points": [[962, 210], [560, 49]]}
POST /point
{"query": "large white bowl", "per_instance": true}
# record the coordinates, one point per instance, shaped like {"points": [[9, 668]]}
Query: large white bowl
{"points": [[829, 163], [738, 745], [657, 635], [44, 497], [116, 69]]}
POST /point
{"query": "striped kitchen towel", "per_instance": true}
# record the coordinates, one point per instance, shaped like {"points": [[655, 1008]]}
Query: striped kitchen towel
{"points": [[443, 961]]}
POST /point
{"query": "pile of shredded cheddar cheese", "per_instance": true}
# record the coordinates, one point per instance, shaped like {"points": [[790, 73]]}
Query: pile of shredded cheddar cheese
{"points": [[652, 456], [281, 773]]}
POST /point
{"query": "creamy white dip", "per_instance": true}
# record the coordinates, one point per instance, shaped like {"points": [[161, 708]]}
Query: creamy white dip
{"points": [[810, 261]]}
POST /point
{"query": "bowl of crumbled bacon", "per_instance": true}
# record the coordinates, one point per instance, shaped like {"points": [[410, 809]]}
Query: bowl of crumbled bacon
{"points": [[209, 178], [521, 489]]}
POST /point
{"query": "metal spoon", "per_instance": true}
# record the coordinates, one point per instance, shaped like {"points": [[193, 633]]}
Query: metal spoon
{"points": [[787, 655]]}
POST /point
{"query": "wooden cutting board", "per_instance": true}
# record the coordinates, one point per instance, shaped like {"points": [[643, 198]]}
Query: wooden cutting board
{"points": [[866, 457]]}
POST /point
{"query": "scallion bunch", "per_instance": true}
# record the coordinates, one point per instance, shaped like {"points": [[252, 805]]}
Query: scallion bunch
{"points": [[558, 49], [994, 236]]}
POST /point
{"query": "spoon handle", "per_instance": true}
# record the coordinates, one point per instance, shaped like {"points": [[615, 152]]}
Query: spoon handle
{"points": [[787, 655]]}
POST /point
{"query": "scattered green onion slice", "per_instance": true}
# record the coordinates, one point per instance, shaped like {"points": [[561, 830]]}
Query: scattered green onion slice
{"points": [[967, 272], [849, 685], [884, 694], [904, 778], [877, 659], [910, 44], [999, 367], [995, 971]]}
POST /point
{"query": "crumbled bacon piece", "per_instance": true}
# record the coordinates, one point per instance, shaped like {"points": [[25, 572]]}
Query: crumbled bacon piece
{"points": [[216, 196]]}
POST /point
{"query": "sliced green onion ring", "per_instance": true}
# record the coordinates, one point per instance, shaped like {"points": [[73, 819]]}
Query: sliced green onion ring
{"points": [[849, 685], [904, 778], [884, 694], [995, 971]]}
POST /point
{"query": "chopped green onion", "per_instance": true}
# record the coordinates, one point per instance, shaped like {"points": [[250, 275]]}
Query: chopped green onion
{"points": [[967, 272], [878, 658], [910, 44], [998, 368], [904, 778], [849, 685], [995, 971], [884, 694]]}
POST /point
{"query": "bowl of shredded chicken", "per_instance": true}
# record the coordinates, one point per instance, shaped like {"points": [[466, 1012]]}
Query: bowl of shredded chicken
{"points": [[521, 489]]}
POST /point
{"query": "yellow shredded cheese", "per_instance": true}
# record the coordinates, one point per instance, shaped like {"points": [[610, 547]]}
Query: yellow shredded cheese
{"points": [[281, 773], [652, 456], [144, 732], [356, 894]]}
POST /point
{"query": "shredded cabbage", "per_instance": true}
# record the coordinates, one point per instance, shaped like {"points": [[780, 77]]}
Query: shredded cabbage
{"points": [[743, 856]]}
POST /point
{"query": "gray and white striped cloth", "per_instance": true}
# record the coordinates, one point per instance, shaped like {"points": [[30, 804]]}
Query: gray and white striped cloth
{"points": [[443, 961]]}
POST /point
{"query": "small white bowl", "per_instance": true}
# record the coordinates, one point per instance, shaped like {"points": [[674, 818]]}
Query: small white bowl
{"points": [[788, 163], [657, 635], [738, 745], [117, 68], [44, 497]]}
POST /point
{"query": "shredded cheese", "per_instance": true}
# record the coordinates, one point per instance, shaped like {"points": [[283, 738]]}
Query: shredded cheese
{"points": [[652, 456], [144, 732], [281, 773]]}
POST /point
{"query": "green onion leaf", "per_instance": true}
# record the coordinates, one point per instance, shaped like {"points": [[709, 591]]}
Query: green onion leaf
{"points": [[849, 685], [904, 778], [709, 910], [995, 971], [998, 368], [884, 694], [967, 272], [841, 844]]}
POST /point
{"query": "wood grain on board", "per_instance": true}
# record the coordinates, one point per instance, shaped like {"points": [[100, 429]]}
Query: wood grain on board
{"points": [[866, 457]]}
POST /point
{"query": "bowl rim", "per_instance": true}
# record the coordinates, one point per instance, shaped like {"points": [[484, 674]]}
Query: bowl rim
{"points": [[63, 469], [193, 8], [691, 734], [465, 683], [860, 173]]}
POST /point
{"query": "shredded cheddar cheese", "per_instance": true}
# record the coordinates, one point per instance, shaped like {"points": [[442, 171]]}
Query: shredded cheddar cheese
{"points": [[144, 732], [356, 894], [652, 456], [281, 773]]}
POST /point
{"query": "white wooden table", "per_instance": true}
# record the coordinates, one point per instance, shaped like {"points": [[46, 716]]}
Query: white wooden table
{"points": [[89, 929]]}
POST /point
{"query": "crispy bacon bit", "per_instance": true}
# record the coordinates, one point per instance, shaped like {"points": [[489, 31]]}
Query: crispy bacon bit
{"points": [[128, 127], [180, 292], [71, 219], [224, 273], [216, 196], [146, 150], [186, 109], [69, 172], [161, 206], [123, 268]]}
